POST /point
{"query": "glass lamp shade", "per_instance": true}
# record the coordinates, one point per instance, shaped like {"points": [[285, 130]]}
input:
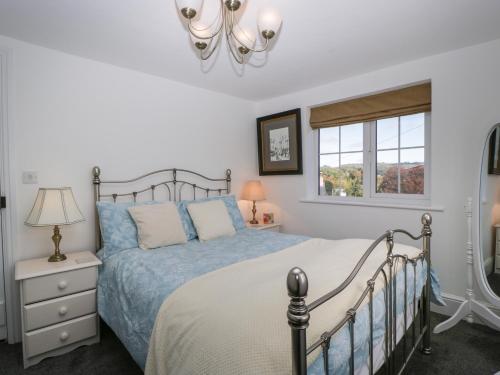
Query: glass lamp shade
{"points": [[201, 35], [245, 39], [269, 19], [193, 4], [194, 7], [234, 5], [54, 206], [253, 191]]}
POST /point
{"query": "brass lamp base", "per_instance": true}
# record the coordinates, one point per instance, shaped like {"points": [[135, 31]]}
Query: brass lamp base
{"points": [[254, 210], [56, 237]]}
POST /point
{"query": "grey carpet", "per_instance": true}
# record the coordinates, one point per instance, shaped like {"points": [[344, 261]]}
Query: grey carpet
{"points": [[465, 349]]}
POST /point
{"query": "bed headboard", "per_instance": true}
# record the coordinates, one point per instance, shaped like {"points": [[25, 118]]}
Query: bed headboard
{"points": [[165, 184]]}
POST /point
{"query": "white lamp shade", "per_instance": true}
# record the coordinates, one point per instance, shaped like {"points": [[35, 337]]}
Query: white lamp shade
{"points": [[193, 4], [202, 31], [253, 191], [54, 206], [245, 37], [269, 19]]}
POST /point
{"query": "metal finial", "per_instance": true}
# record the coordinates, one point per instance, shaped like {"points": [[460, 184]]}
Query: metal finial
{"points": [[228, 174], [426, 219], [96, 172], [297, 283]]}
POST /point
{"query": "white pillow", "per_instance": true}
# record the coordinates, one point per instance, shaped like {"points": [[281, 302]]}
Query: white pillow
{"points": [[158, 225], [211, 219]]}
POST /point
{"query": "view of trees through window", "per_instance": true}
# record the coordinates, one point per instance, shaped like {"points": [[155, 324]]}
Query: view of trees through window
{"points": [[399, 145], [400, 154], [341, 161]]}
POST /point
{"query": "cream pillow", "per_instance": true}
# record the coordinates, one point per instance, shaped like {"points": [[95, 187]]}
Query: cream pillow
{"points": [[211, 219], [158, 225]]}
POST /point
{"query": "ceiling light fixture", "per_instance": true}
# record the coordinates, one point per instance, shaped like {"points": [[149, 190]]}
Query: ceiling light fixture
{"points": [[241, 42]]}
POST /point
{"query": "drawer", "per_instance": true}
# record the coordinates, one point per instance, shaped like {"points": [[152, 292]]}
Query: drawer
{"points": [[45, 313], [59, 284], [59, 335]]}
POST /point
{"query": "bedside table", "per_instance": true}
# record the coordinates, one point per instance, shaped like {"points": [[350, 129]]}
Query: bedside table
{"points": [[275, 227], [58, 305]]}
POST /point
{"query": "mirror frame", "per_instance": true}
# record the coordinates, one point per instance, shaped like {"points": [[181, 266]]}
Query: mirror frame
{"points": [[477, 203]]}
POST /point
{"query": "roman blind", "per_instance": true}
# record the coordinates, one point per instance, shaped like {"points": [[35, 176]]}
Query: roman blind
{"points": [[400, 102]]}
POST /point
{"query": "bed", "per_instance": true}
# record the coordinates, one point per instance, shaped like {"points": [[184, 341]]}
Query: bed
{"points": [[165, 305]]}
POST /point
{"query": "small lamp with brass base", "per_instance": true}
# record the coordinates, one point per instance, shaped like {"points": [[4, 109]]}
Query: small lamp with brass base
{"points": [[253, 191], [54, 207]]}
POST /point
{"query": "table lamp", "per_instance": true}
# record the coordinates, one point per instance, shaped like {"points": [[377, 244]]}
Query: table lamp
{"points": [[54, 207], [253, 191]]}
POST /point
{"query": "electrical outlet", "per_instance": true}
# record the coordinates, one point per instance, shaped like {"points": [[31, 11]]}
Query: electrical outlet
{"points": [[30, 177]]}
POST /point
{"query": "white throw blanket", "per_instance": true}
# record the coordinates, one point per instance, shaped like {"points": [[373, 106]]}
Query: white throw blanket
{"points": [[233, 320]]}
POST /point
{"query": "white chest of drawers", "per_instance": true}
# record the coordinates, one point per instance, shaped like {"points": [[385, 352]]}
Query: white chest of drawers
{"points": [[58, 305]]}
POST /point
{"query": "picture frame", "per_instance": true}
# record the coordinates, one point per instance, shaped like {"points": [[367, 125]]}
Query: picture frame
{"points": [[268, 218], [280, 143]]}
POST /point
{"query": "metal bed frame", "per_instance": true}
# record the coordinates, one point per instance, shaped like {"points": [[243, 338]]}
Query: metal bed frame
{"points": [[299, 312], [173, 180]]}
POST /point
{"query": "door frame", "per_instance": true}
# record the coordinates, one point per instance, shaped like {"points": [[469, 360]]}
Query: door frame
{"points": [[7, 188]]}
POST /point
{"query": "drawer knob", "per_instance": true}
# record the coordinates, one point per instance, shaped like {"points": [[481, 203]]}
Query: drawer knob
{"points": [[63, 310], [64, 336], [62, 285]]}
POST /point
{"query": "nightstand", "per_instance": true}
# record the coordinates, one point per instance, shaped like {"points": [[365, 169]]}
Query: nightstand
{"points": [[58, 305], [274, 227]]}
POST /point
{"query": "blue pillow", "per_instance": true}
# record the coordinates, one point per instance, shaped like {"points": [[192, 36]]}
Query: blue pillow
{"points": [[118, 229], [231, 205], [186, 220]]}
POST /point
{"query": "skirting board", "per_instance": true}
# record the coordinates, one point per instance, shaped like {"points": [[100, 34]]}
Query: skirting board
{"points": [[452, 304]]}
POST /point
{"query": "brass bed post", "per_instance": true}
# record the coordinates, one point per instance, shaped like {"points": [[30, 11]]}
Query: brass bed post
{"points": [[298, 318], [96, 173], [427, 233]]}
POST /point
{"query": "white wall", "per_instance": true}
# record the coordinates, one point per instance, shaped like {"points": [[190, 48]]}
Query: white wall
{"points": [[69, 114], [466, 93]]}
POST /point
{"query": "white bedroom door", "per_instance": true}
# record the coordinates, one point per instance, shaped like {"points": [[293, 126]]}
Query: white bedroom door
{"points": [[3, 320]]}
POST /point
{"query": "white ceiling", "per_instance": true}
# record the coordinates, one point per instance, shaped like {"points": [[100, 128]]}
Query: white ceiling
{"points": [[320, 41]]}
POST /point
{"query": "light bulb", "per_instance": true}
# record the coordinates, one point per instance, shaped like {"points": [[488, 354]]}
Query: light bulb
{"points": [[269, 22], [202, 33], [245, 40], [189, 8]]}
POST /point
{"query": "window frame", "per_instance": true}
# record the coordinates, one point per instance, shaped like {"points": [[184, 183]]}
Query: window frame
{"points": [[370, 169]]}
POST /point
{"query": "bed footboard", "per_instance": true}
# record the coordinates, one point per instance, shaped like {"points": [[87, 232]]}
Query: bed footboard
{"points": [[396, 353]]}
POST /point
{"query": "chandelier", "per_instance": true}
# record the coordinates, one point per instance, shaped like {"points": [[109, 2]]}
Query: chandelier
{"points": [[241, 41]]}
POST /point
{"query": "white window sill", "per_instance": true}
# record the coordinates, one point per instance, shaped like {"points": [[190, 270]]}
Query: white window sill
{"points": [[402, 206]]}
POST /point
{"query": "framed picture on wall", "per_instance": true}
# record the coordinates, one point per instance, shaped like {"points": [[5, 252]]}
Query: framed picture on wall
{"points": [[280, 143]]}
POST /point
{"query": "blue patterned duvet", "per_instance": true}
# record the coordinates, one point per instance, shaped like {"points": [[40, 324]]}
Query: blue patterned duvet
{"points": [[134, 283]]}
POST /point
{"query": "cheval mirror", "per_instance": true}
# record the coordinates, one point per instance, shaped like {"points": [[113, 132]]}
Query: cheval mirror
{"points": [[483, 242]]}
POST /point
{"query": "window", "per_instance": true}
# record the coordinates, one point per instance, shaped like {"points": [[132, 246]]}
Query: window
{"points": [[341, 161], [400, 155], [386, 158]]}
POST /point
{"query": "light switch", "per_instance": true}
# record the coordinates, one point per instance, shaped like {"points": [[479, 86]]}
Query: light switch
{"points": [[30, 177]]}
